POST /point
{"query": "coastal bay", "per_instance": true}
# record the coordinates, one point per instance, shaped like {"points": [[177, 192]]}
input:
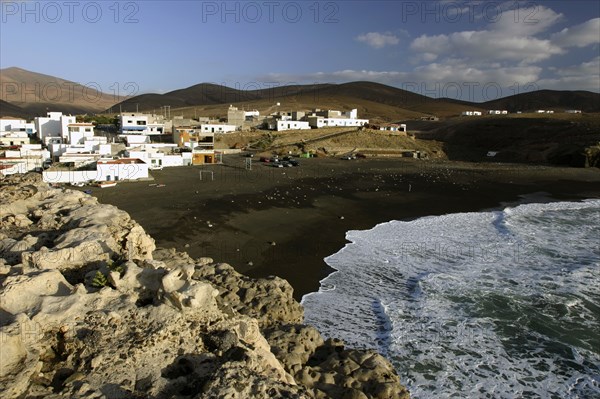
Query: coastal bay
{"points": [[285, 221]]}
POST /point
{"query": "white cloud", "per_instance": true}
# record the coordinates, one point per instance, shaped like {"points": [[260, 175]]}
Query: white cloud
{"points": [[525, 19], [580, 35], [453, 79], [487, 46], [584, 76], [378, 40]]}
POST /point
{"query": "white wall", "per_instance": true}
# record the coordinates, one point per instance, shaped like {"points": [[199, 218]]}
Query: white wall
{"points": [[292, 125], [69, 176], [217, 128], [19, 167], [12, 124], [121, 171], [337, 122]]}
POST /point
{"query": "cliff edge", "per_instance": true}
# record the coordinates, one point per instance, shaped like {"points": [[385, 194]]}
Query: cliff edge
{"points": [[90, 308]]}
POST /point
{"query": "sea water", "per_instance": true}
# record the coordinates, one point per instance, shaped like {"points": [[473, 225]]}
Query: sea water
{"points": [[502, 304]]}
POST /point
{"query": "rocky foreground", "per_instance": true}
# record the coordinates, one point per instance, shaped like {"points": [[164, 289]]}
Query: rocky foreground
{"points": [[89, 308]]}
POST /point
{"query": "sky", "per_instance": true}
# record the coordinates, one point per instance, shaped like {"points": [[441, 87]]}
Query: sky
{"points": [[468, 50]]}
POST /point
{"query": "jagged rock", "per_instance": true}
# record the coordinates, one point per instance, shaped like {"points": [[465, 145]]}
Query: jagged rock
{"points": [[162, 326], [21, 293], [270, 300]]}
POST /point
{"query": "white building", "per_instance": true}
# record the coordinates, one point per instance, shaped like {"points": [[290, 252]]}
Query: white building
{"points": [[78, 132], [497, 112], [334, 118], [251, 114], [8, 125], [160, 155], [352, 114], [291, 125], [14, 138], [25, 159], [320, 122], [121, 169], [12, 166], [141, 124], [106, 170], [471, 113], [573, 111], [53, 127], [217, 128], [394, 127]]}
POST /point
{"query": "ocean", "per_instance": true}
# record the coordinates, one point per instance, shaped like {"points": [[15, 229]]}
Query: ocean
{"points": [[499, 304]]}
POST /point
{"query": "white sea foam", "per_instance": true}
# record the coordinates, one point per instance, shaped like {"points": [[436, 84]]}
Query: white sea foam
{"points": [[492, 304]]}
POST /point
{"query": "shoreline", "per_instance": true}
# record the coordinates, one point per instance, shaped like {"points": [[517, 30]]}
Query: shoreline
{"points": [[285, 222]]}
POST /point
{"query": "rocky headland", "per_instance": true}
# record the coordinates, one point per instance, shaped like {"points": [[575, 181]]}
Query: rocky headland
{"points": [[90, 308]]}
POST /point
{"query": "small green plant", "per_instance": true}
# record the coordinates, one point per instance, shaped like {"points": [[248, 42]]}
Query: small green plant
{"points": [[99, 280], [118, 267]]}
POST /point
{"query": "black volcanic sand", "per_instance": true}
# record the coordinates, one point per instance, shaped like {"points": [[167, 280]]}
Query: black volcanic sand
{"points": [[285, 221]]}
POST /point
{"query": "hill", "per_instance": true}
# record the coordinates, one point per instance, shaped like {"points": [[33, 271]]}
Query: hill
{"points": [[37, 93], [373, 100], [560, 139], [13, 111], [548, 99]]}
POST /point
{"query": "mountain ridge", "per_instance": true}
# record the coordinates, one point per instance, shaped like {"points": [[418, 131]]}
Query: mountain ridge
{"points": [[37, 93], [374, 100]]}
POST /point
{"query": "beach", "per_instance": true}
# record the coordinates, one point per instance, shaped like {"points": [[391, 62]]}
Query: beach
{"points": [[285, 221]]}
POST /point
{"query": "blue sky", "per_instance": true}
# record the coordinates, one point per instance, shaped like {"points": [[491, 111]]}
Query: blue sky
{"points": [[473, 50]]}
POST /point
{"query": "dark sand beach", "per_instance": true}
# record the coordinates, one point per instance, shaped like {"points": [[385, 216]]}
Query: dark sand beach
{"points": [[285, 221]]}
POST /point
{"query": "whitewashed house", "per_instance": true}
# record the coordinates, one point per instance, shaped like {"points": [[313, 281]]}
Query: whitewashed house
{"points": [[26, 158], [392, 127], [141, 124], [217, 128], [10, 125], [14, 138], [291, 125], [160, 155], [333, 118], [53, 128], [321, 122], [121, 169], [78, 132]]}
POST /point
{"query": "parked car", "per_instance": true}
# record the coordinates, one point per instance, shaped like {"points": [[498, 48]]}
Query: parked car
{"points": [[287, 164], [294, 163], [77, 184], [359, 155], [265, 159], [277, 164], [348, 157], [249, 155]]}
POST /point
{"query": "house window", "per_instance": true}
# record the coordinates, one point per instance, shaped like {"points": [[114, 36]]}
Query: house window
{"points": [[87, 129]]}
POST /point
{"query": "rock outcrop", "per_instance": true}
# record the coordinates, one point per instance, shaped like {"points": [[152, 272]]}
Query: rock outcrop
{"points": [[89, 308]]}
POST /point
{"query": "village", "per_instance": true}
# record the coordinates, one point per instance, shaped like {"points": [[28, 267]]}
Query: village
{"points": [[66, 150]]}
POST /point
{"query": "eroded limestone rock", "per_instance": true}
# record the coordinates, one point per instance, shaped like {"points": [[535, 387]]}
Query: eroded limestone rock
{"points": [[89, 309]]}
